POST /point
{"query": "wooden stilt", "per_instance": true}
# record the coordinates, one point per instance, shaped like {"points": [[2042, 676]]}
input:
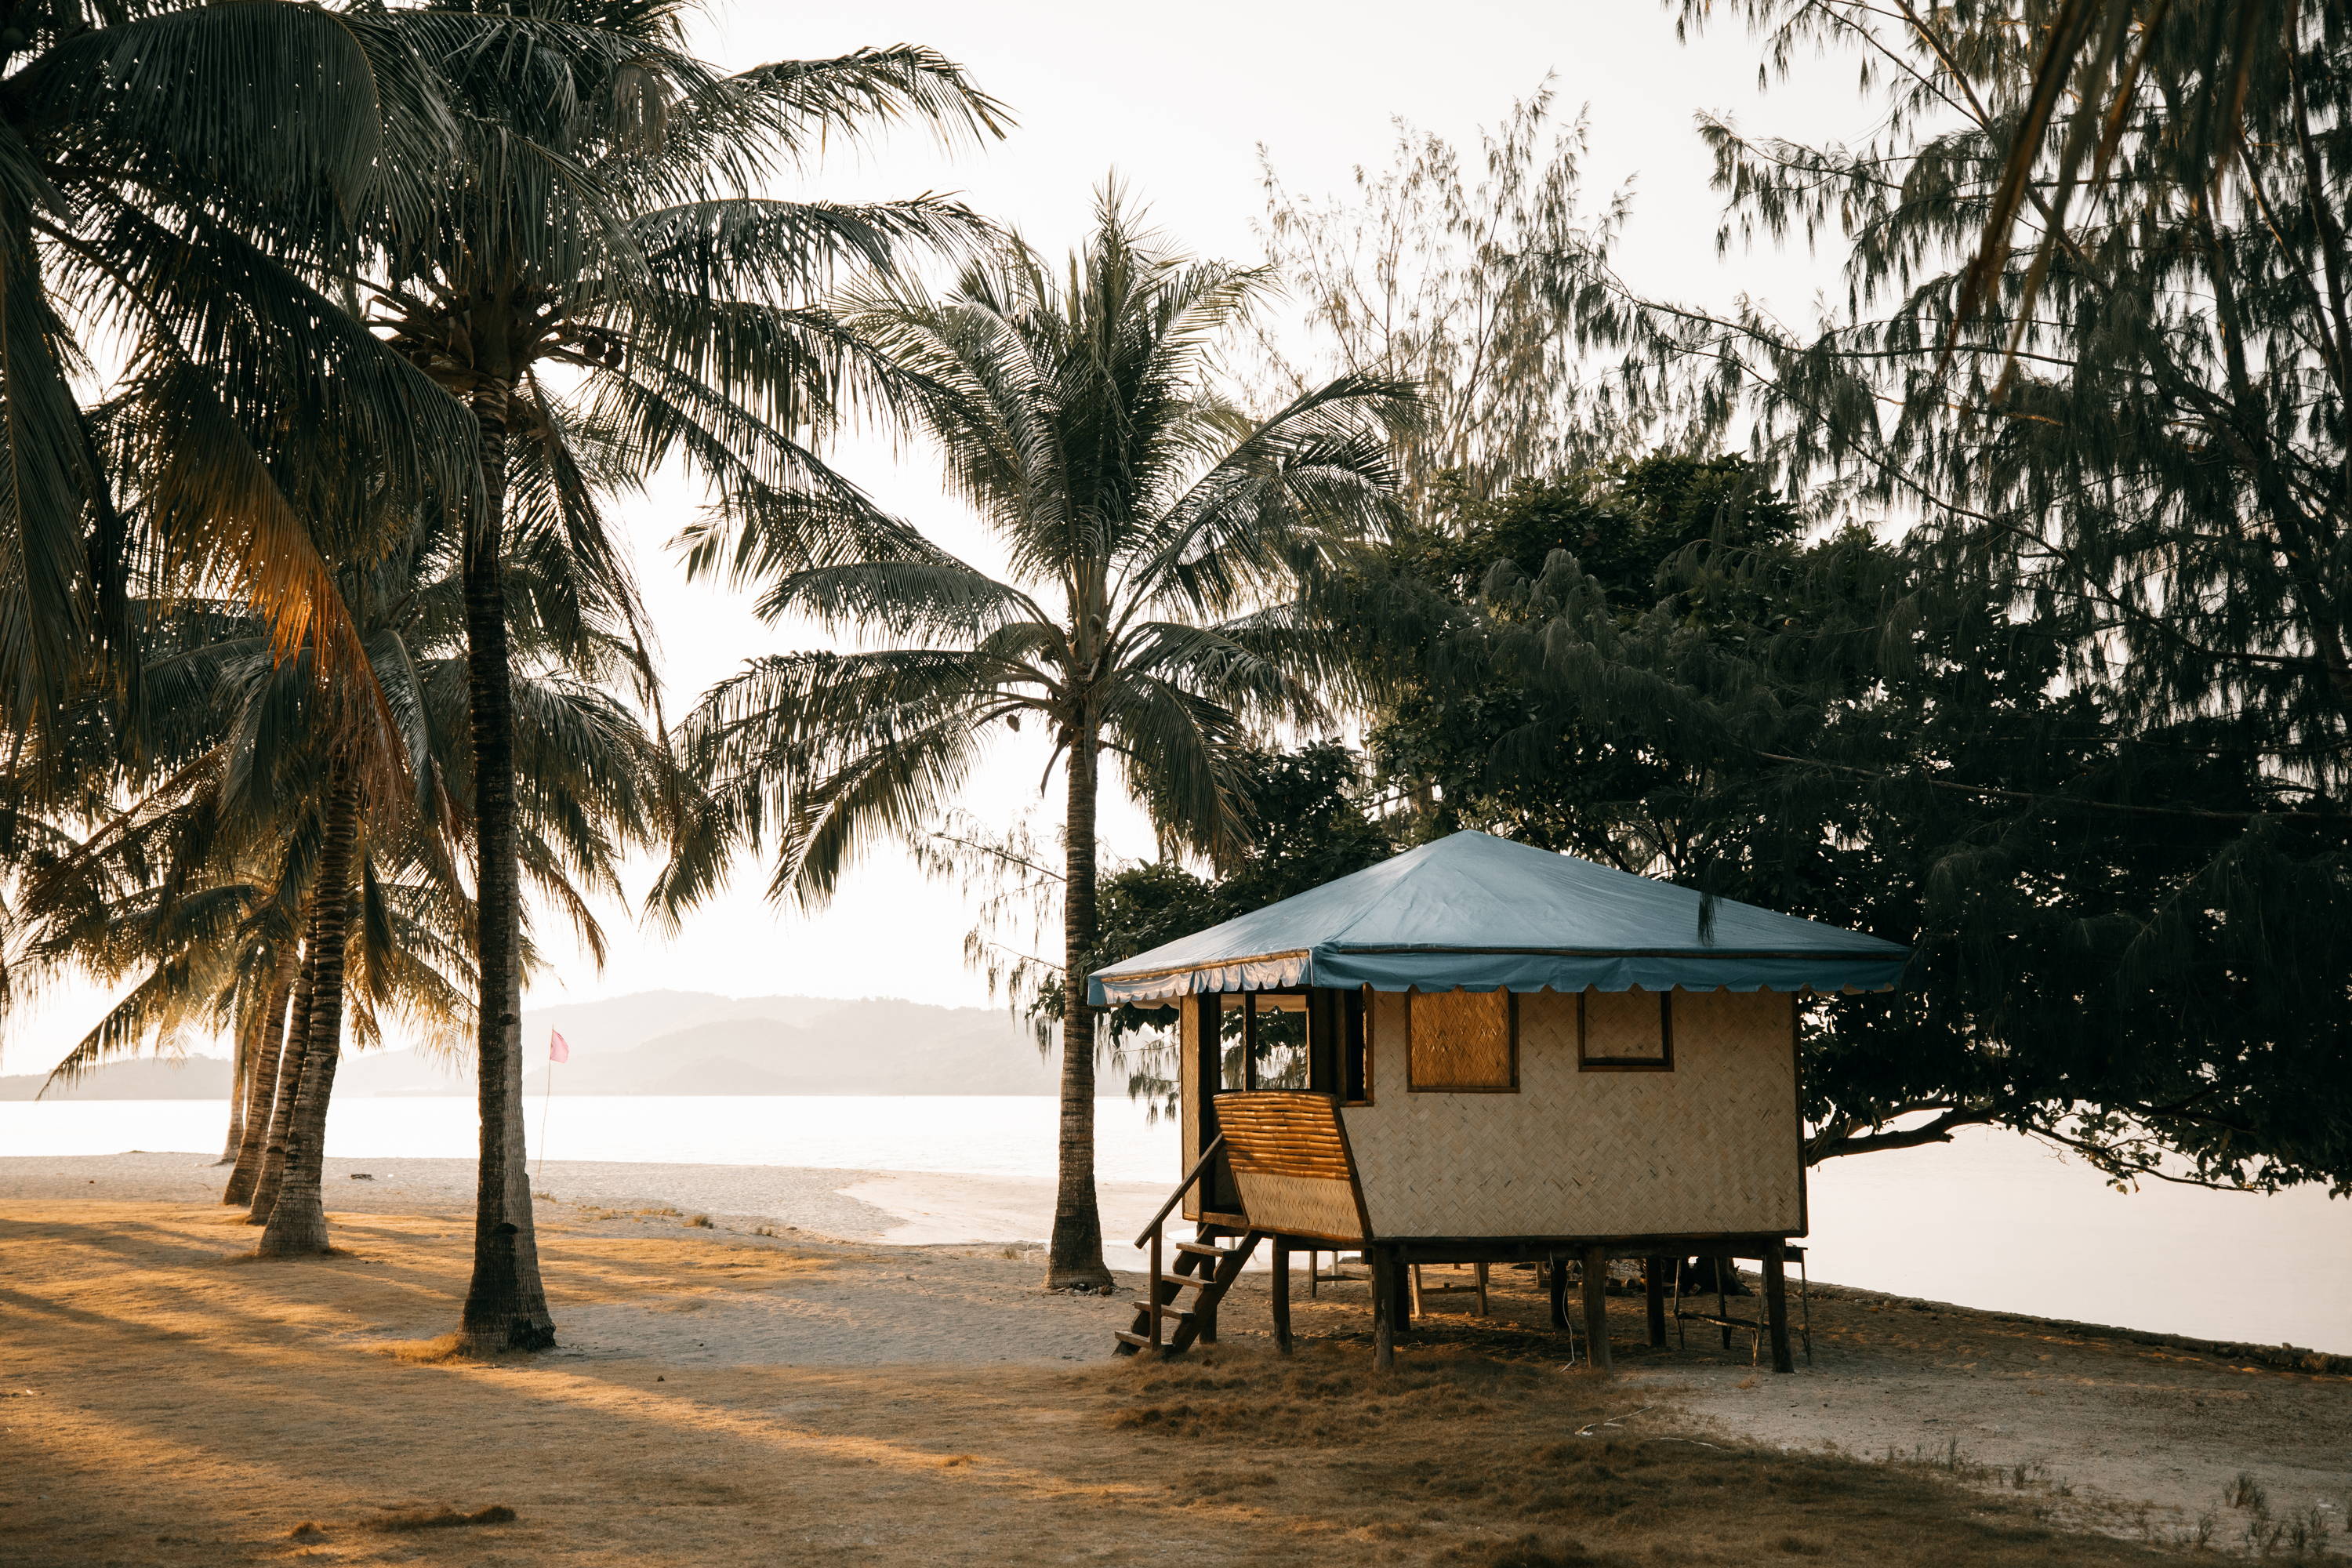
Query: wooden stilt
{"points": [[1413, 1298], [1805, 1305], [1596, 1307], [1482, 1289], [1282, 1295], [1384, 1304], [1776, 1305], [1558, 1268], [1653, 1289]]}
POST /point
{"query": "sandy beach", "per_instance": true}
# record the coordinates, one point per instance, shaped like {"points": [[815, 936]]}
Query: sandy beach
{"points": [[827, 1338]]}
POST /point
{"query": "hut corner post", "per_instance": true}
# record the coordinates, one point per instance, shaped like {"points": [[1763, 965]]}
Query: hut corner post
{"points": [[1654, 1291], [1596, 1307], [1385, 1295], [1280, 1290], [1776, 1304]]}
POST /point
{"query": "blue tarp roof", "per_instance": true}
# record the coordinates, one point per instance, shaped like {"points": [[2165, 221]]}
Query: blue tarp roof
{"points": [[1482, 914]]}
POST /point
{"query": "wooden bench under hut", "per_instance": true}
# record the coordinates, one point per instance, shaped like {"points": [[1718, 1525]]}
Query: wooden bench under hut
{"points": [[1482, 1052]]}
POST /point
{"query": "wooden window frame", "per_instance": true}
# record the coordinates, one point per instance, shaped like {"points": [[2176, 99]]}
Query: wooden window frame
{"points": [[1663, 1062], [1511, 1029], [1249, 1032], [1361, 1003]]}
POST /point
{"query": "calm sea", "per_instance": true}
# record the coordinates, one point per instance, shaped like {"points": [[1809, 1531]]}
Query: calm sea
{"points": [[1991, 1220]]}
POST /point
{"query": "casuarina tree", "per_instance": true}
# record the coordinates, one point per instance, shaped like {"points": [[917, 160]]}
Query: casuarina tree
{"points": [[2080, 701]]}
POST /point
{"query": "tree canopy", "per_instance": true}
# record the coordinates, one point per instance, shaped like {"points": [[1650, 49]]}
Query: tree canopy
{"points": [[2052, 684]]}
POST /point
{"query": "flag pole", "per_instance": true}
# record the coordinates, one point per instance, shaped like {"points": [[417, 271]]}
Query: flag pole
{"points": [[546, 1106], [558, 1050]]}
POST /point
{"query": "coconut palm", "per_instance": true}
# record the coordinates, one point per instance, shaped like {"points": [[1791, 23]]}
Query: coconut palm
{"points": [[1158, 540], [266, 815], [173, 181], [603, 289]]}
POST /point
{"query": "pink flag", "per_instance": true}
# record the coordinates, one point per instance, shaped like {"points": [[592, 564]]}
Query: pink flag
{"points": [[557, 1051]]}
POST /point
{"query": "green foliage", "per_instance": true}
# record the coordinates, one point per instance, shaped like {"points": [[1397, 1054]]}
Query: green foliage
{"points": [[2067, 698], [2103, 683], [1622, 520], [1492, 751], [2123, 941], [1308, 826], [175, 179], [1159, 541], [1156, 533], [195, 894], [1444, 268]]}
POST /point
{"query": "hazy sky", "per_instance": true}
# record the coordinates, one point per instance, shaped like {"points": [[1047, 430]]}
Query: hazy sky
{"points": [[1177, 103]]}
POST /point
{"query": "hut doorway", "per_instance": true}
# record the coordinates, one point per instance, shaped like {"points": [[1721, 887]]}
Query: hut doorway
{"points": [[1300, 1039]]}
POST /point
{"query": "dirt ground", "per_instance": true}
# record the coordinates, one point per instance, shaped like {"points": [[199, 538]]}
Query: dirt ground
{"points": [[726, 1397]]}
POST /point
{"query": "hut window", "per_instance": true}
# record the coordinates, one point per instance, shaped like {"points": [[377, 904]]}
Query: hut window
{"points": [[1462, 1041], [1261, 1041], [1232, 1042], [1279, 1043], [1626, 1031]]}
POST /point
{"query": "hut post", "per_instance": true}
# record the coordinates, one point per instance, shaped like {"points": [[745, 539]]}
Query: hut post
{"points": [[1653, 1289], [1384, 1305], [1281, 1291], [1596, 1307], [1776, 1305], [1556, 1275]]}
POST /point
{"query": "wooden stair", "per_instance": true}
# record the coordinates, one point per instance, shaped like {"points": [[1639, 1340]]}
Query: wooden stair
{"points": [[1204, 1268]]}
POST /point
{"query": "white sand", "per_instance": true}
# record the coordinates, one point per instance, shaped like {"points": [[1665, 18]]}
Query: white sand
{"points": [[899, 1208]]}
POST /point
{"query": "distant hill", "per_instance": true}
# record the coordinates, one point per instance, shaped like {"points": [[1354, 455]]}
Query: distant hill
{"points": [[191, 1078], [676, 1042]]}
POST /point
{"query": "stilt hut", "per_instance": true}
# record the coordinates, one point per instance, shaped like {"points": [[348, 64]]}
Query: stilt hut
{"points": [[1483, 1052]]}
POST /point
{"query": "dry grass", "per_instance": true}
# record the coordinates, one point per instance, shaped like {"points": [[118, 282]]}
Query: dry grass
{"points": [[439, 1519], [448, 1347], [1505, 1465]]}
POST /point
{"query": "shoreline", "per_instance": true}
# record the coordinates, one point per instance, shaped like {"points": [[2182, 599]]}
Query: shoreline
{"points": [[867, 1207], [864, 1206]]}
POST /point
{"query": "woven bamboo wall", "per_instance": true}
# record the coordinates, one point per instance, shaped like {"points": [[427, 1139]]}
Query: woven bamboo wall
{"points": [[1710, 1147], [1290, 1163]]}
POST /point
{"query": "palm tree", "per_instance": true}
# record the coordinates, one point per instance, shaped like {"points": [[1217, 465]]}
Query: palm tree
{"points": [[599, 285], [264, 812], [172, 177], [1159, 540]]}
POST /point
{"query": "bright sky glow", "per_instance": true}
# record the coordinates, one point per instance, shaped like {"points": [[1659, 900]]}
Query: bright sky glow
{"points": [[1177, 103]]}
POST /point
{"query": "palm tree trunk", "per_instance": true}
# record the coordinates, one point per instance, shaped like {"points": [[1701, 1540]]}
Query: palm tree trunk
{"points": [[240, 1079], [506, 1305], [1075, 1262], [272, 1172], [298, 1221], [261, 1081]]}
